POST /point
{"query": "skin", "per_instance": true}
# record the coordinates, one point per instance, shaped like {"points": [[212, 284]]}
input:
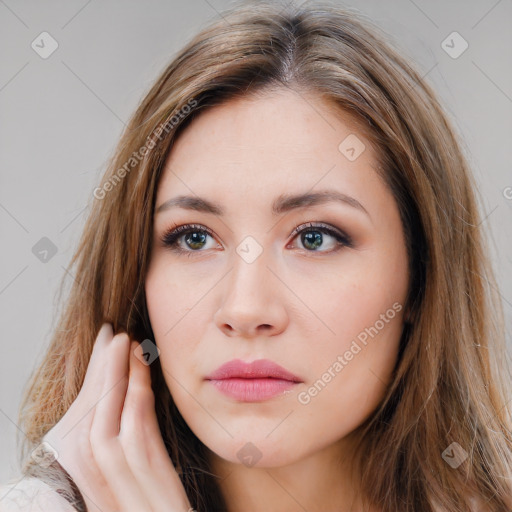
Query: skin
{"points": [[294, 305]]}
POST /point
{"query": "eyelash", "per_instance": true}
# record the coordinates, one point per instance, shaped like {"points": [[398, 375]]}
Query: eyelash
{"points": [[171, 236]]}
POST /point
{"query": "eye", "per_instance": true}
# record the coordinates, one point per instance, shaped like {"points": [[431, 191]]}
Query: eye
{"points": [[312, 236], [195, 237]]}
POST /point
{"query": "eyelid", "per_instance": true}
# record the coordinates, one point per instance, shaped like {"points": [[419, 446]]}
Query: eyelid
{"points": [[176, 231], [320, 225]]}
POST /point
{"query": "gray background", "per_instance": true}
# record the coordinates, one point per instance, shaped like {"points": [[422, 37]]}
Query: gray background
{"points": [[61, 117]]}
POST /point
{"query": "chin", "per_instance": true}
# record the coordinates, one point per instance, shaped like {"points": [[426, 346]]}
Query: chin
{"points": [[257, 452]]}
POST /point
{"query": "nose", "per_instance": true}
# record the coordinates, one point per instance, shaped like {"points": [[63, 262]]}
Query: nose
{"points": [[252, 301]]}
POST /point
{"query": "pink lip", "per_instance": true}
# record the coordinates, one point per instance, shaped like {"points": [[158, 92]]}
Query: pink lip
{"points": [[252, 382]]}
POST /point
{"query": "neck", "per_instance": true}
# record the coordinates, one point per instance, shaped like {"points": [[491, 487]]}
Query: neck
{"points": [[319, 482]]}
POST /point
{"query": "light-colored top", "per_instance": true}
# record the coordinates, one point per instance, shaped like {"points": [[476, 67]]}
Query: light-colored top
{"points": [[29, 494]]}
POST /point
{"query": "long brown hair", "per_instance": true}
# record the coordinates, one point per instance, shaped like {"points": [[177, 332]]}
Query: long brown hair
{"points": [[452, 375]]}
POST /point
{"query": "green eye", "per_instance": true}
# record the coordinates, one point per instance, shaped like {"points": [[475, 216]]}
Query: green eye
{"points": [[192, 238]]}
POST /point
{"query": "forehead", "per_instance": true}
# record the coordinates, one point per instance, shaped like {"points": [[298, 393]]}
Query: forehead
{"points": [[280, 142]]}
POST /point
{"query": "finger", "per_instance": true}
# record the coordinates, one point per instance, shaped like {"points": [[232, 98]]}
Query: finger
{"points": [[94, 376], [81, 411], [115, 382], [71, 435], [105, 444], [143, 444]]}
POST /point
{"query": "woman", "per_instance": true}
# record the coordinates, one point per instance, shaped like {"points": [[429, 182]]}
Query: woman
{"points": [[282, 299]]}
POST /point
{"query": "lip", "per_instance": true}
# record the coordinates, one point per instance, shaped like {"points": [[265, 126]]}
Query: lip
{"points": [[252, 382]]}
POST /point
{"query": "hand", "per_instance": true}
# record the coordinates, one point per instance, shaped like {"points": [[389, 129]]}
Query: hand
{"points": [[109, 440]]}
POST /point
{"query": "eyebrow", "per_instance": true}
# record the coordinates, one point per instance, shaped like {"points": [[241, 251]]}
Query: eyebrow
{"points": [[282, 204]]}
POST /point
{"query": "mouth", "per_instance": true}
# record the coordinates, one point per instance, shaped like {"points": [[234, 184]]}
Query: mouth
{"points": [[252, 382]]}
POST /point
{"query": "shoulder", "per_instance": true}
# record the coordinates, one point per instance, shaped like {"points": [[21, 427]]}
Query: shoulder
{"points": [[29, 494]]}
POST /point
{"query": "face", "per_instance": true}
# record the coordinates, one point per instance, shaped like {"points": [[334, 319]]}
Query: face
{"points": [[316, 286]]}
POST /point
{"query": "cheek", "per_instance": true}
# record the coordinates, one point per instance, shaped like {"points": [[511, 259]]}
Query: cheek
{"points": [[355, 366], [174, 289], [175, 321], [351, 374], [169, 298], [351, 360], [365, 303]]}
